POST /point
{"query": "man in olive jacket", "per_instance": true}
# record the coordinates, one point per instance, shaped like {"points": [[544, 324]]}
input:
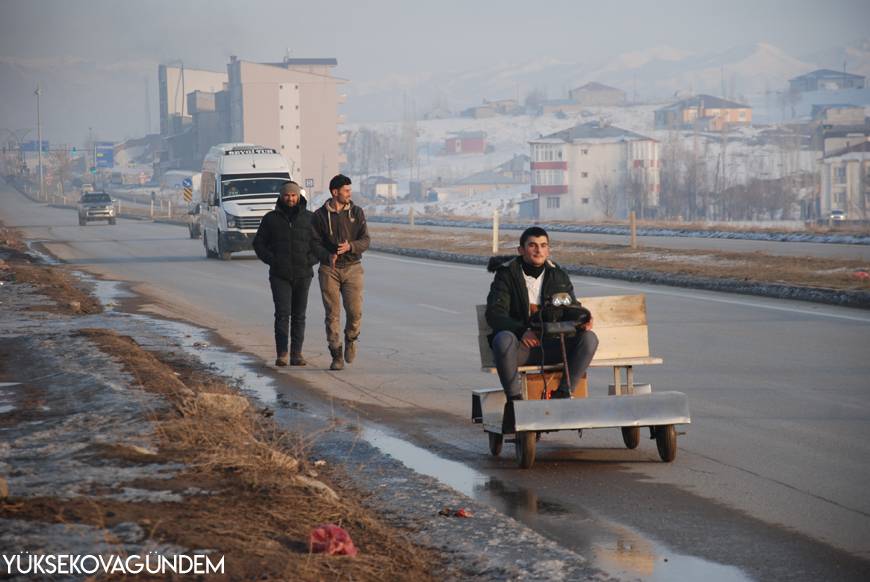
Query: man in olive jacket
{"points": [[283, 242], [522, 285], [340, 238]]}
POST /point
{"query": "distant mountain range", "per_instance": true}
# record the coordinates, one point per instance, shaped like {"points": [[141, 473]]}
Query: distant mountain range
{"points": [[658, 73], [111, 99]]}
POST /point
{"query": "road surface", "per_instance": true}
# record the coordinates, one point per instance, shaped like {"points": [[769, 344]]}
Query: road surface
{"points": [[770, 481]]}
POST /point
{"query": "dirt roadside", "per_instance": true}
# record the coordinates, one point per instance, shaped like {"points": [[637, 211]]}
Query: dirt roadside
{"points": [[757, 267], [111, 448]]}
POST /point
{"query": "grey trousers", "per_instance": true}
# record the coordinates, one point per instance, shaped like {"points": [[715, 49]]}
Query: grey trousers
{"points": [[342, 286], [510, 353]]}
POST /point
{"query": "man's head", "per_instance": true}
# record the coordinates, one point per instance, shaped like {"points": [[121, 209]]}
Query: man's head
{"points": [[534, 246], [290, 194], [340, 189]]}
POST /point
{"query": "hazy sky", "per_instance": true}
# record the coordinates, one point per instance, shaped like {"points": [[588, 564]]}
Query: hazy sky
{"points": [[374, 38]]}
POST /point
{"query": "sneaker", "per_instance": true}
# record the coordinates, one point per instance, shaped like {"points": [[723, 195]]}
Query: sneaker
{"points": [[297, 360], [337, 359], [349, 350], [282, 359]]}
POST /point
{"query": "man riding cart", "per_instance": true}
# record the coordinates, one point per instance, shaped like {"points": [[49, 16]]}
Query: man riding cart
{"points": [[535, 334]]}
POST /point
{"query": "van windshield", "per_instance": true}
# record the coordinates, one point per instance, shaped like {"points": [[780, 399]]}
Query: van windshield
{"points": [[248, 186]]}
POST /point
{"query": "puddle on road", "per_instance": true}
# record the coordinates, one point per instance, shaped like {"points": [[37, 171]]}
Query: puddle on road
{"points": [[617, 550]]}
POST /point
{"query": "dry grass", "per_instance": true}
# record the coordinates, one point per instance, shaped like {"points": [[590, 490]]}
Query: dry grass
{"points": [[54, 282], [756, 267], [266, 496]]}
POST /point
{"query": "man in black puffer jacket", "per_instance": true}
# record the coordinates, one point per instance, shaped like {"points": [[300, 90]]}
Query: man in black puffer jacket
{"points": [[521, 287], [283, 242]]}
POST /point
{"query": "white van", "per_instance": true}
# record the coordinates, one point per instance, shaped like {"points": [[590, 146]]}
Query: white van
{"points": [[240, 184]]}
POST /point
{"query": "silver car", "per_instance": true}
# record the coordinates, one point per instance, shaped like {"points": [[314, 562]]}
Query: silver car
{"points": [[96, 206]]}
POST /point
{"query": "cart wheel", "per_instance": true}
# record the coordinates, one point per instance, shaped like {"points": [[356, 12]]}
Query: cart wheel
{"points": [[631, 436], [525, 449], [666, 442], [495, 441]]}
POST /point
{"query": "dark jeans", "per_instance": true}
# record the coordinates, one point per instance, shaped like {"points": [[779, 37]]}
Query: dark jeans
{"points": [[291, 302], [510, 353]]}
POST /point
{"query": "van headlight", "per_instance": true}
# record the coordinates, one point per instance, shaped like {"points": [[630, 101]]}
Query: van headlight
{"points": [[232, 221]]}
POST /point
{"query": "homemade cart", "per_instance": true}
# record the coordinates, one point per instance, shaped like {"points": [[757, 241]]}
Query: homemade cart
{"points": [[621, 325]]}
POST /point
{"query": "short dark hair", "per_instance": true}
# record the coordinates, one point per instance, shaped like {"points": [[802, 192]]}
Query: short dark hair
{"points": [[532, 231], [338, 182], [289, 186]]}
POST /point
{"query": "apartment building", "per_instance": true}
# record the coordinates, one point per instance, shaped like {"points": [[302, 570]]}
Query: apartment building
{"points": [[291, 106], [845, 182], [594, 171]]}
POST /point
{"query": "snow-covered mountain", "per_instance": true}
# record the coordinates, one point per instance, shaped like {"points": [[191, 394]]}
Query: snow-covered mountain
{"points": [[656, 73]]}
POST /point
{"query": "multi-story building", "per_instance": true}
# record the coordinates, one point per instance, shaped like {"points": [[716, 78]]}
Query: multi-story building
{"points": [[593, 171], [845, 182], [291, 106], [703, 112]]}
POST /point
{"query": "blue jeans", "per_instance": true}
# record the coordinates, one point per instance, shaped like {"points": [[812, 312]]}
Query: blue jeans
{"points": [[510, 353]]}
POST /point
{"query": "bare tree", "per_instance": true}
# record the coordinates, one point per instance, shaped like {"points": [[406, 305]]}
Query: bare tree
{"points": [[606, 196], [61, 164]]}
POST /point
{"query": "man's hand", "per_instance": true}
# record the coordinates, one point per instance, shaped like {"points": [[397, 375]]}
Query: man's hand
{"points": [[588, 325], [343, 248], [530, 339]]}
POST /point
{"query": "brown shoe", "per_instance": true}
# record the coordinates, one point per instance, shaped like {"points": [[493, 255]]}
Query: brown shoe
{"points": [[282, 359], [297, 360], [337, 360], [349, 350]]}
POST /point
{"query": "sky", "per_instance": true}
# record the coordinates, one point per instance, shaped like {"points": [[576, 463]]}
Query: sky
{"points": [[377, 38], [96, 59]]}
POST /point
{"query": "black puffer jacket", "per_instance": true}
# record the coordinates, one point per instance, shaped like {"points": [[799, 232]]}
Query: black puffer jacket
{"points": [[507, 305], [283, 241]]}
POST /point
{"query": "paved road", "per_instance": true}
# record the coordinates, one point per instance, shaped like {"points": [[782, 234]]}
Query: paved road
{"points": [[790, 249], [770, 481]]}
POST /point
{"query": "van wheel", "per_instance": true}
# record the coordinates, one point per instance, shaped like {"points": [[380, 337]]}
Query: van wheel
{"points": [[209, 254], [111, 221], [223, 254]]}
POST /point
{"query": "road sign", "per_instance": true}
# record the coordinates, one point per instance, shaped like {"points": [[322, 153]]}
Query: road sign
{"points": [[187, 182], [30, 146], [105, 153], [93, 170], [309, 182]]}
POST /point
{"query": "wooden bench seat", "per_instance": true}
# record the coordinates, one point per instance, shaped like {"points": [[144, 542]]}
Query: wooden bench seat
{"points": [[620, 323]]}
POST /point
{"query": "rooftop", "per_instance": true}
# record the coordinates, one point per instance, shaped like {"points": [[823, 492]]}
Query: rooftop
{"points": [[827, 74], [593, 131], [707, 101]]}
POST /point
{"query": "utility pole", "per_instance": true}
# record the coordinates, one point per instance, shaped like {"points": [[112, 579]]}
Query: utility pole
{"points": [[38, 92]]}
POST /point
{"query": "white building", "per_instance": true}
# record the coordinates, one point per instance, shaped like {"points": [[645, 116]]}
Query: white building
{"points": [[845, 181], [291, 106], [593, 171]]}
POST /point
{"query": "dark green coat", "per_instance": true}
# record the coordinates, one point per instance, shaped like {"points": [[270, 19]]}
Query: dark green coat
{"points": [[283, 241], [507, 305]]}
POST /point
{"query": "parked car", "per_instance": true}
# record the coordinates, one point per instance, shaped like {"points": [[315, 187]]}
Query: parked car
{"points": [[193, 224], [96, 206], [837, 215]]}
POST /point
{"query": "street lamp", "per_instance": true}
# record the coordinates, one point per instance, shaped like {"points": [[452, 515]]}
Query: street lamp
{"points": [[38, 92]]}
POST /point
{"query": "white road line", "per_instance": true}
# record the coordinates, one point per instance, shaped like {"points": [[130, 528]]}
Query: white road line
{"points": [[436, 308], [700, 295]]}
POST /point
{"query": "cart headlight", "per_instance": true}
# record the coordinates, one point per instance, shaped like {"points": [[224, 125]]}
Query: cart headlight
{"points": [[562, 300], [232, 221]]}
